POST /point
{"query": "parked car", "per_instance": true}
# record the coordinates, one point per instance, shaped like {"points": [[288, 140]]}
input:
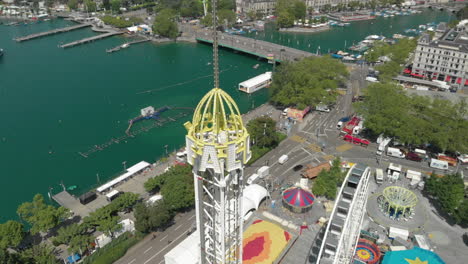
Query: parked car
{"points": [[298, 167], [413, 156]]}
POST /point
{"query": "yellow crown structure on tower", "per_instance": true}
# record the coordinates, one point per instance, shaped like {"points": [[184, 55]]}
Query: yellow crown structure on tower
{"points": [[217, 122]]}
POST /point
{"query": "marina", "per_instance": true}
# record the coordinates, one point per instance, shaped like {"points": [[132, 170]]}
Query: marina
{"points": [[52, 32], [97, 93]]}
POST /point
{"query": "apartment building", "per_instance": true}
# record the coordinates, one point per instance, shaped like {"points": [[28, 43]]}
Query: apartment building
{"points": [[444, 57]]}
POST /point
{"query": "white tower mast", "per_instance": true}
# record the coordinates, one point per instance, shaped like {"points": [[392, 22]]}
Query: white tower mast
{"points": [[218, 146]]}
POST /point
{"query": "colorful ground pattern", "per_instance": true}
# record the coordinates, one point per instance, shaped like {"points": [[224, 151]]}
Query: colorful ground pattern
{"points": [[263, 242], [367, 251]]}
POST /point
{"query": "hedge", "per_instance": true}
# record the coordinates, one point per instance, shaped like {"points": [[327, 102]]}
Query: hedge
{"points": [[114, 250]]}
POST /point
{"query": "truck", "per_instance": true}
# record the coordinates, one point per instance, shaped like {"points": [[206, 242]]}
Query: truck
{"points": [[356, 140], [379, 176], [383, 143], [394, 152], [439, 164], [263, 171], [283, 159], [348, 128]]}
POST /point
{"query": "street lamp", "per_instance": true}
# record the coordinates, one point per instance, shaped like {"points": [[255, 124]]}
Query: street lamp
{"points": [[165, 147], [124, 163]]}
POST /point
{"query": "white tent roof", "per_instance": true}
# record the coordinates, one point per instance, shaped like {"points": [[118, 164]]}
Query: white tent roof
{"points": [[139, 166], [187, 252], [247, 205], [256, 193]]}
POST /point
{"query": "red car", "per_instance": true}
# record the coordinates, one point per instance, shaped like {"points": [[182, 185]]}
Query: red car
{"points": [[413, 156]]}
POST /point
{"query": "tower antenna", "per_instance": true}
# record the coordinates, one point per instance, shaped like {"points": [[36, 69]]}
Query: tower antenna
{"points": [[215, 44]]}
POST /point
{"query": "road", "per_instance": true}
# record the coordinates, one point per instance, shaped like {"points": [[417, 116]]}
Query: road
{"points": [[152, 251]]}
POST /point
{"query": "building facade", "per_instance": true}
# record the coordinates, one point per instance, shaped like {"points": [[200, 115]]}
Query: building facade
{"points": [[267, 7], [444, 57]]}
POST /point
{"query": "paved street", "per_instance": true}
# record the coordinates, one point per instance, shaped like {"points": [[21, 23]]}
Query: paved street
{"points": [[152, 251], [304, 146]]}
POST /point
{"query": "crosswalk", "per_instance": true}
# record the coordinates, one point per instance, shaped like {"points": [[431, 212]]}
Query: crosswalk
{"points": [[344, 147]]}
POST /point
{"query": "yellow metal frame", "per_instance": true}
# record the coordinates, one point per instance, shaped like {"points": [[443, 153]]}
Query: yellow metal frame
{"points": [[217, 121], [408, 198]]}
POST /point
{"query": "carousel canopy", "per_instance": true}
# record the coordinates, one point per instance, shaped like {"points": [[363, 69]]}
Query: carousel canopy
{"points": [[413, 256], [298, 197]]}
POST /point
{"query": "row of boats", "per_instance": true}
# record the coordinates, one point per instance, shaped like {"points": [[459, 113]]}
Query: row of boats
{"points": [[25, 22], [240, 31], [392, 13]]}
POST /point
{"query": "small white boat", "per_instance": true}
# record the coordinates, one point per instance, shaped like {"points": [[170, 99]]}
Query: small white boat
{"points": [[256, 66], [124, 46]]}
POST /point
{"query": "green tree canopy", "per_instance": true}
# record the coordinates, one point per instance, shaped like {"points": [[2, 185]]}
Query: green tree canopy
{"points": [[90, 5], [191, 8], [327, 182], [152, 217], [39, 254], [449, 191], [165, 24], [115, 5], [72, 4], [288, 11], [307, 82], [226, 17], [11, 234], [66, 233], [40, 215], [414, 119], [262, 132]]}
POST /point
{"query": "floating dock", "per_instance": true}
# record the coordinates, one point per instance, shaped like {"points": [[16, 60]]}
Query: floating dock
{"points": [[51, 32], [90, 39], [128, 45], [159, 122]]}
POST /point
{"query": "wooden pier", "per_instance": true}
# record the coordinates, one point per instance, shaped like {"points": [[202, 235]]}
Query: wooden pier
{"points": [[90, 39], [128, 45], [51, 32]]}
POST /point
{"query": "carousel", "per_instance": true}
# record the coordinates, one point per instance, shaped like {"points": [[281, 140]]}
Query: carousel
{"points": [[298, 200]]}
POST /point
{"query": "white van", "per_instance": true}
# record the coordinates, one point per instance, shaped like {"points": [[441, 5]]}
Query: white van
{"points": [[439, 164], [379, 176], [252, 178], [394, 152], [283, 159]]}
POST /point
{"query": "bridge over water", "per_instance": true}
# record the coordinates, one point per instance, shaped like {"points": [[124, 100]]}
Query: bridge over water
{"points": [[254, 47]]}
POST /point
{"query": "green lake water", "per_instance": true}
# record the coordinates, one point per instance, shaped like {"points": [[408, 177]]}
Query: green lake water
{"points": [[57, 102]]}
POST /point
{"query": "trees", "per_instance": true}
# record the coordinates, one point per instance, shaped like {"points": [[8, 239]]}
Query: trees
{"points": [[449, 192], [252, 15], [125, 201], [152, 217], [115, 5], [226, 17], [285, 19], [41, 216], [164, 24], [327, 182], [262, 131], [288, 11], [40, 254], [191, 8], [90, 5], [72, 4], [307, 82], [11, 234], [414, 119]]}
